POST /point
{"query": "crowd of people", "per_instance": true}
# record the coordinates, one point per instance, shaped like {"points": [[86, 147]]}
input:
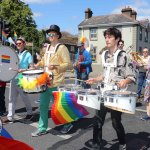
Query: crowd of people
{"points": [[55, 58]]}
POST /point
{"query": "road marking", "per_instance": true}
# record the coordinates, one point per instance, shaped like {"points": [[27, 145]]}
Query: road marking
{"points": [[35, 124]]}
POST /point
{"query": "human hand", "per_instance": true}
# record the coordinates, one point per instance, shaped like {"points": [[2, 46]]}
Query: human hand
{"points": [[91, 81], [51, 67]]}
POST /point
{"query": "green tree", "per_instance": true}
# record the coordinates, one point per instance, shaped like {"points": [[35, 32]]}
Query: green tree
{"points": [[21, 19]]}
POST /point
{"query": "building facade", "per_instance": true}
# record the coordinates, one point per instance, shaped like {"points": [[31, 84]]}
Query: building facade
{"points": [[135, 33]]}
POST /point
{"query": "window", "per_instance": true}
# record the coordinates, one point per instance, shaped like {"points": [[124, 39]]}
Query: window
{"points": [[93, 34], [93, 53], [146, 36], [140, 34]]}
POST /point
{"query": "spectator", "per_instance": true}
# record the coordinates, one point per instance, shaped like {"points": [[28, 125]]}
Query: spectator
{"points": [[142, 72], [121, 45], [83, 65], [147, 94]]}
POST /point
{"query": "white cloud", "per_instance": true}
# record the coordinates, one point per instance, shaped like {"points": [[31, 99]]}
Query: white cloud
{"points": [[37, 14], [140, 3], [41, 1], [140, 6], [74, 17]]}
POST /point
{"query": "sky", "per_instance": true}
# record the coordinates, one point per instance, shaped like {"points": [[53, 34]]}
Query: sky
{"points": [[68, 14]]}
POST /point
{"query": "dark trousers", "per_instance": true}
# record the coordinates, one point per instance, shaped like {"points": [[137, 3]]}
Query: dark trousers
{"points": [[2, 99], [141, 79], [116, 123]]}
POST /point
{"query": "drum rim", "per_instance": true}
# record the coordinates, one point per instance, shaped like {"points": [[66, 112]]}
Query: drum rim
{"points": [[131, 94], [24, 73]]}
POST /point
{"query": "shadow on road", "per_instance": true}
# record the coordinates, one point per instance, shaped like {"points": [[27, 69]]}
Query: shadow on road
{"points": [[140, 141]]}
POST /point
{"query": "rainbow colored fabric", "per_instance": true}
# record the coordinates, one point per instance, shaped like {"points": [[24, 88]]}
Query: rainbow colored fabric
{"points": [[5, 59], [15, 36], [31, 85], [4, 36], [65, 108]]}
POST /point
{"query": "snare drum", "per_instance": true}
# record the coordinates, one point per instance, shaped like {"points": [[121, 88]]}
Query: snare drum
{"points": [[124, 101], [9, 63], [90, 98], [31, 77]]}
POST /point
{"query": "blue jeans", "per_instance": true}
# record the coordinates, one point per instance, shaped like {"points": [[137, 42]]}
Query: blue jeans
{"points": [[141, 80], [83, 76]]}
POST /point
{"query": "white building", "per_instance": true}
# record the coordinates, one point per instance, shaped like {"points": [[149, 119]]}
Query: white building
{"points": [[134, 32]]}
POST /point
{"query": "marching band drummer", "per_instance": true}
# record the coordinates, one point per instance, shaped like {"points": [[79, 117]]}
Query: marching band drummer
{"points": [[123, 75], [25, 61], [56, 60]]}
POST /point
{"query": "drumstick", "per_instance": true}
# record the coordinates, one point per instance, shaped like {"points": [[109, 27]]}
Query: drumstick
{"points": [[13, 69], [77, 79], [52, 65]]}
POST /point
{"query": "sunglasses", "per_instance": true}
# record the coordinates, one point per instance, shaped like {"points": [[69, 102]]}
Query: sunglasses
{"points": [[18, 43], [52, 34]]}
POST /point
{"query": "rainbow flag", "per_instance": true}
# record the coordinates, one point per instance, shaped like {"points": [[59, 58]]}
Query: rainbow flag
{"points": [[5, 59], [4, 36], [65, 108], [15, 36]]}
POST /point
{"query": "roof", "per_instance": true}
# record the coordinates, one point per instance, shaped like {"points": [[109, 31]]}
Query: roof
{"points": [[108, 20]]}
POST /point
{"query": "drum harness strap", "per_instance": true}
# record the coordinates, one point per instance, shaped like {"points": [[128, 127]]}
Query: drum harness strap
{"points": [[108, 66], [22, 56], [48, 54]]}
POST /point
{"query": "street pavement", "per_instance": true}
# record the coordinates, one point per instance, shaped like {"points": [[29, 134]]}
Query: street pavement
{"points": [[137, 131]]}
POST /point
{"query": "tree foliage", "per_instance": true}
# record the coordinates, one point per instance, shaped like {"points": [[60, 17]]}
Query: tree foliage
{"points": [[21, 19]]}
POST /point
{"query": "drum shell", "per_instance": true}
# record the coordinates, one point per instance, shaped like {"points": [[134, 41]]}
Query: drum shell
{"points": [[121, 101], [30, 76], [90, 98]]}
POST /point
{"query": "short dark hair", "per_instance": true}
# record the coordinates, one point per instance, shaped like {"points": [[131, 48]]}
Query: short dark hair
{"points": [[113, 31], [120, 41]]}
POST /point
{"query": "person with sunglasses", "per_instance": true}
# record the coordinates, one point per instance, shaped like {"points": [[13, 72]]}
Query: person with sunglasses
{"points": [[25, 62], [56, 60]]}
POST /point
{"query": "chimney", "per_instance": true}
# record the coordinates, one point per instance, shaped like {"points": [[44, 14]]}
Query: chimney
{"points": [[133, 14], [88, 13], [129, 12]]}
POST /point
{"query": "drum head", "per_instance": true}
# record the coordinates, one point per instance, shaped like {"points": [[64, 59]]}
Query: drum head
{"points": [[32, 72], [120, 93], [9, 63]]}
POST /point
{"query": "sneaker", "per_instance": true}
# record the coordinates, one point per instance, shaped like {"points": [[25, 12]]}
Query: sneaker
{"points": [[66, 128], [38, 133], [28, 117], [6, 121], [122, 147], [145, 118]]}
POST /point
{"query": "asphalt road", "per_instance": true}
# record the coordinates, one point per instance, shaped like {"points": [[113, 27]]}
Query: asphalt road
{"points": [[137, 131]]}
